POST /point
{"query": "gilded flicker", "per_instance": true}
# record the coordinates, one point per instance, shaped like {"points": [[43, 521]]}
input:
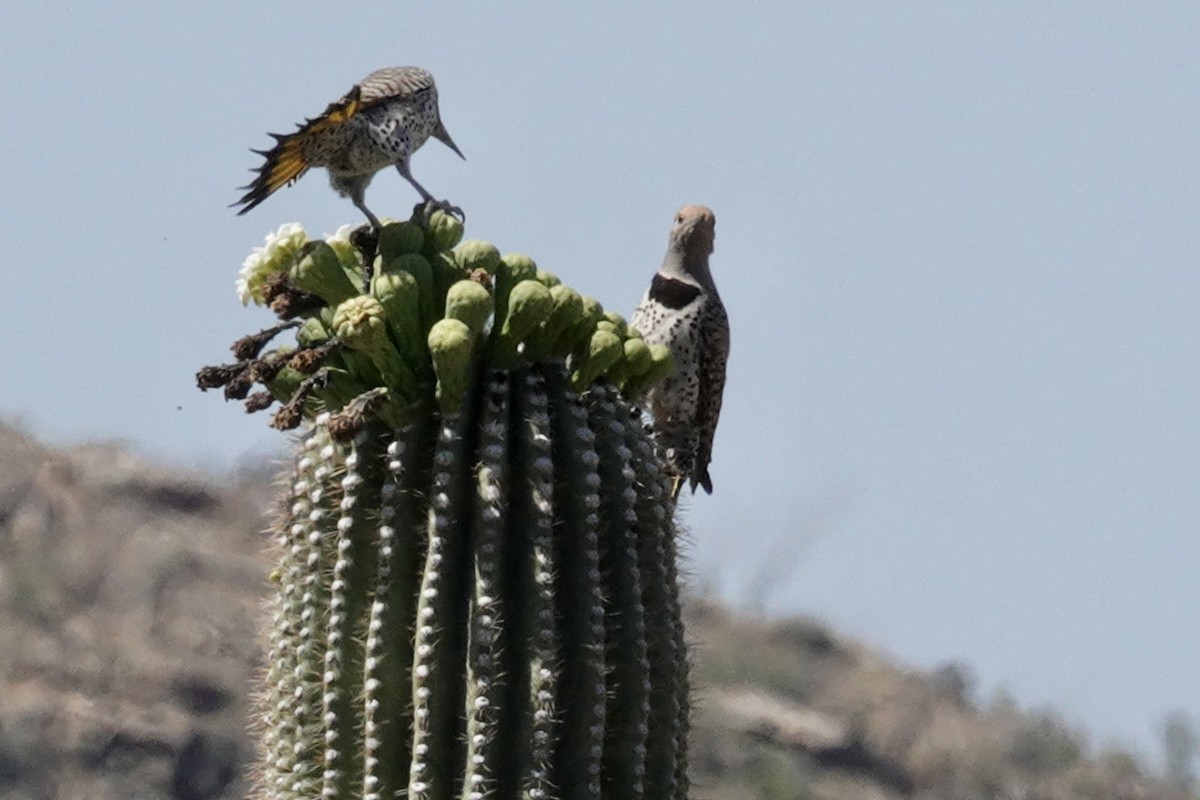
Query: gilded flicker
{"points": [[381, 121], [683, 311]]}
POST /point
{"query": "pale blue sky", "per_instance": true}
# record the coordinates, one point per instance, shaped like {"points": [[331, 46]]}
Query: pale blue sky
{"points": [[957, 242]]}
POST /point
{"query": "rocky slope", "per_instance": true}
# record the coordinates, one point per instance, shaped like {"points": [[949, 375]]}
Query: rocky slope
{"points": [[129, 602]]}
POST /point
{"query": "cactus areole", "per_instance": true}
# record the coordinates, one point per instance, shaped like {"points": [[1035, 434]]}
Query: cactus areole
{"points": [[475, 589]]}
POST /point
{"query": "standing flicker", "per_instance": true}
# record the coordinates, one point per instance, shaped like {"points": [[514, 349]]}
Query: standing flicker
{"points": [[683, 311], [381, 121]]}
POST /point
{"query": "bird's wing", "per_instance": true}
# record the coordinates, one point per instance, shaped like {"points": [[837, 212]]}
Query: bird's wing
{"points": [[285, 163], [714, 347], [390, 83]]}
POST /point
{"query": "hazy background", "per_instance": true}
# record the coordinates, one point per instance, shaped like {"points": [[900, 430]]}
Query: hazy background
{"points": [[956, 241]]}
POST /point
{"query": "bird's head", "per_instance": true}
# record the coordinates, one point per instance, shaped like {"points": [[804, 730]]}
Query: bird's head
{"points": [[694, 230]]}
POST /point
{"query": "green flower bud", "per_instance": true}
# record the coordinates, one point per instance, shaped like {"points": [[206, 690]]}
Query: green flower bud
{"points": [[361, 323], [576, 337], [312, 332], [319, 270], [513, 269], [475, 254], [400, 296], [661, 364], [568, 305], [637, 355], [593, 312], [663, 360], [520, 267], [400, 238], [450, 343], [419, 267], [443, 232], [618, 321], [548, 279], [529, 304], [604, 350], [470, 303], [635, 360], [446, 273]]}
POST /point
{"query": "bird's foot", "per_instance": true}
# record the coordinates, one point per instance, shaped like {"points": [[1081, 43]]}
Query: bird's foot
{"points": [[365, 239], [425, 209]]}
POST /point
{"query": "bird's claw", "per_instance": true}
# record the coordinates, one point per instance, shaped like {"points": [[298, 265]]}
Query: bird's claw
{"points": [[426, 209]]}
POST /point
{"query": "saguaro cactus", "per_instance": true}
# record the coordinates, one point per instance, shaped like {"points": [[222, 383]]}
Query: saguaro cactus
{"points": [[476, 592]]}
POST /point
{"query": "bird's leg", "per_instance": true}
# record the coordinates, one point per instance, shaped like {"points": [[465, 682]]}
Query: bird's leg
{"points": [[430, 203], [355, 187], [366, 240]]}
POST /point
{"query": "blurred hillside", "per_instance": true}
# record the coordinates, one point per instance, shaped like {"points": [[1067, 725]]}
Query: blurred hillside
{"points": [[129, 599]]}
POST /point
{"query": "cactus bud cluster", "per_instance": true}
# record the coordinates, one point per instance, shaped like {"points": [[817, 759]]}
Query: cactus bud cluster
{"points": [[439, 309]]}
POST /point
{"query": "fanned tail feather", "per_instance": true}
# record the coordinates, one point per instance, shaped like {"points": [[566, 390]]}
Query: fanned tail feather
{"points": [[284, 164]]}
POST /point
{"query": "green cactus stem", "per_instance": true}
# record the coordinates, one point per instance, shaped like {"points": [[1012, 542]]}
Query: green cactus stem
{"points": [[537, 635], [439, 661], [486, 677], [627, 717], [476, 594], [584, 663], [665, 646], [387, 714]]}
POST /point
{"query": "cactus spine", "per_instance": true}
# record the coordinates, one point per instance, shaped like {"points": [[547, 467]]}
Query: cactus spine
{"points": [[476, 590]]}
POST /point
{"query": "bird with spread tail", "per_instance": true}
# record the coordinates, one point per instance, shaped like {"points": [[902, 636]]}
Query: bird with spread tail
{"points": [[683, 311], [380, 122]]}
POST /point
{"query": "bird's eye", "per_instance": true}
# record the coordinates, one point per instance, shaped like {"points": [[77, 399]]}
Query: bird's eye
{"points": [[679, 218]]}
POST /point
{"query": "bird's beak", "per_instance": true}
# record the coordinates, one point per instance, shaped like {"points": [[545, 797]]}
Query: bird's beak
{"points": [[442, 135]]}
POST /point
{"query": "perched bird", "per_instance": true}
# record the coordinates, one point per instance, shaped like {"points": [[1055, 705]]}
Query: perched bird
{"points": [[381, 121], [683, 311]]}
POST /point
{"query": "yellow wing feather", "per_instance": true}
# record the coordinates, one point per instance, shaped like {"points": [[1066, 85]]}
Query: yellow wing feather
{"points": [[284, 163]]}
